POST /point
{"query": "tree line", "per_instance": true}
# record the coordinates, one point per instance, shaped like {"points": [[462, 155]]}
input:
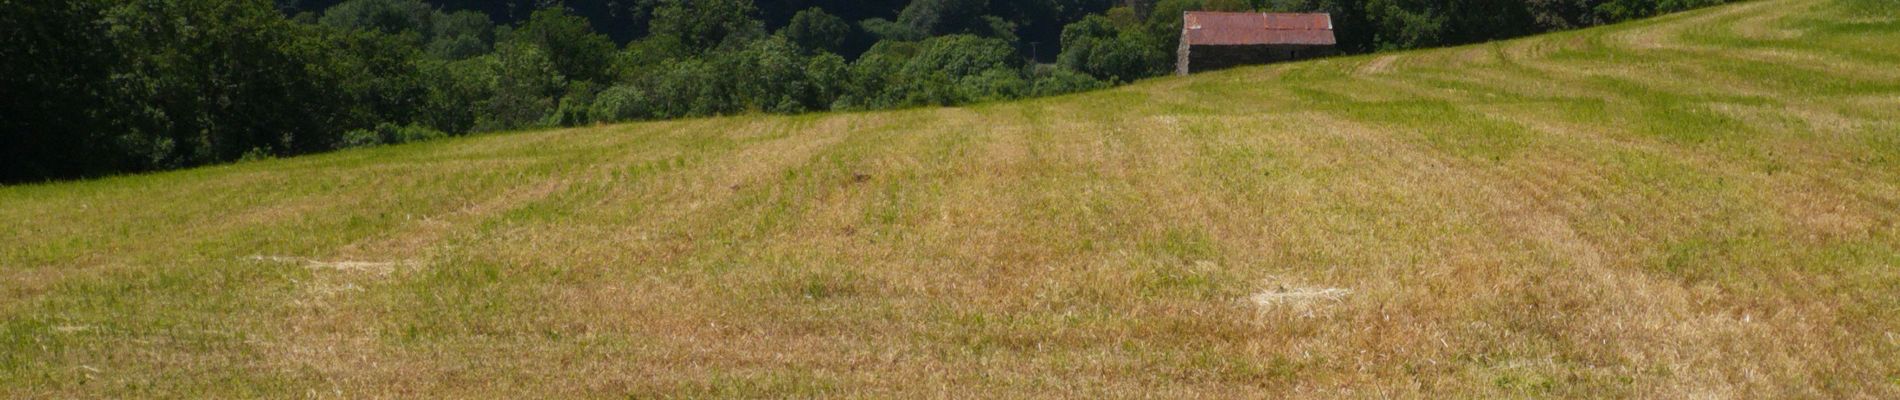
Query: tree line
{"points": [[95, 87]]}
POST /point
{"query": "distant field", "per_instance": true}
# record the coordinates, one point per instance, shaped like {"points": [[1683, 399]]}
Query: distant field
{"points": [[1700, 205]]}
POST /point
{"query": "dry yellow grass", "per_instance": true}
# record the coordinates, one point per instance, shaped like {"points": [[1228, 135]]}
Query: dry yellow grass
{"points": [[1702, 205]]}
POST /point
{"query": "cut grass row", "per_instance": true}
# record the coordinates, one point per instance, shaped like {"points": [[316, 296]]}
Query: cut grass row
{"points": [[1702, 204]]}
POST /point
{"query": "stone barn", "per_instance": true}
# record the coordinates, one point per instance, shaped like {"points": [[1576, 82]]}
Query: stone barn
{"points": [[1215, 40]]}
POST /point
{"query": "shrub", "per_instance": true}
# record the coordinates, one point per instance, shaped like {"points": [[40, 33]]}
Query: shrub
{"points": [[961, 55], [621, 103], [992, 85], [574, 106], [386, 133], [1064, 81], [1098, 47]]}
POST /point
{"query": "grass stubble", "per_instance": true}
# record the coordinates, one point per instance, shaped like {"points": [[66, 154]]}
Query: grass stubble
{"points": [[1698, 205]]}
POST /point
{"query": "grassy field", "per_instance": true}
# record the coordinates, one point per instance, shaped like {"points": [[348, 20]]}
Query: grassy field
{"points": [[1701, 205]]}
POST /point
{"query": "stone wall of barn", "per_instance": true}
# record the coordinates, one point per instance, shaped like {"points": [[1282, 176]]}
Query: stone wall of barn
{"points": [[1208, 58]]}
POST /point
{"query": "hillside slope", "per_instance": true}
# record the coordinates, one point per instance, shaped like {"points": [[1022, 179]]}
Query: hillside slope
{"points": [[1703, 204]]}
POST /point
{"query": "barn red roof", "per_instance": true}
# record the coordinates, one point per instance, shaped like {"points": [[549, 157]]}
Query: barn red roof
{"points": [[1238, 28]]}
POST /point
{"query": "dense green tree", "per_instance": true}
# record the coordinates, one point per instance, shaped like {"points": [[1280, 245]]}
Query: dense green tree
{"points": [[386, 16], [962, 55], [61, 109], [527, 86], [570, 44], [461, 35], [1619, 10], [465, 23], [816, 30], [699, 26], [459, 93], [1352, 27], [223, 78], [940, 17], [689, 87], [931, 72], [574, 105], [1473, 21], [887, 30], [829, 78], [769, 76], [1164, 21], [1038, 23], [1563, 14], [1098, 47], [378, 73], [1401, 24], [641, 58], [875, 73]]}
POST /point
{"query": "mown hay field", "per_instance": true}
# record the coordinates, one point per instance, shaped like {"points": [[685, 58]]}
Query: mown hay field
{"points": [[1700, 205]]}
